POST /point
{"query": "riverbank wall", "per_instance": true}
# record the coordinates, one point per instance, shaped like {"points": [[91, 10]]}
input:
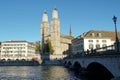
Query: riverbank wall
{"points": [[19, 63], [52, 62]]}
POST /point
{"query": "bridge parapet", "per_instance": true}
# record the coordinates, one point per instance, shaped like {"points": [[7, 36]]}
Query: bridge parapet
{"points": [[111, 63], [108, 50]]}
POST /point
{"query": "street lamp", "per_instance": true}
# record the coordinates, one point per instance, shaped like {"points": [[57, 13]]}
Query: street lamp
{"points": [[117, 40]]}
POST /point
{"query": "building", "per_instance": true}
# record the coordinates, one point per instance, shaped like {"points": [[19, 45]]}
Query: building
{"points": [[0, 49], [17, 50], [93, 39], [60, 42]]}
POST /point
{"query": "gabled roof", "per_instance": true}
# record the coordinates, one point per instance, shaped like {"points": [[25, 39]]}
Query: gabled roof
{"points": [[101, 34]]}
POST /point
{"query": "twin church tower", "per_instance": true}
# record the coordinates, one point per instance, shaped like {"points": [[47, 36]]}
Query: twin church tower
{"points": [[60, 42]]}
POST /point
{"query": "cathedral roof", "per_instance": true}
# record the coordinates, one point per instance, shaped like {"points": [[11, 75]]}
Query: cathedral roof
{"points": [[66, 36]]}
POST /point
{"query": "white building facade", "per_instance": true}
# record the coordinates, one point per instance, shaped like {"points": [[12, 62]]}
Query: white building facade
{"points": [[93, 40], [17, 50]]}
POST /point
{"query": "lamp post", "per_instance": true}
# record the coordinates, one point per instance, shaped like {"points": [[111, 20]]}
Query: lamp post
{"points": [[117, 40]]}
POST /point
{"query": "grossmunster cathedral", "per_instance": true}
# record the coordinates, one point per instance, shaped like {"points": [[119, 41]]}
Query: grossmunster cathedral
{"points": [[51, 31]]}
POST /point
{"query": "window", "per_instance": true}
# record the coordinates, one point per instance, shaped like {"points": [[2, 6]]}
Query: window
{"points": [[90, 40], [90, 46], [97, 46], [8, 44], [104, 41], [99, 35], [97, 40], [4, 45], [104, 45]]}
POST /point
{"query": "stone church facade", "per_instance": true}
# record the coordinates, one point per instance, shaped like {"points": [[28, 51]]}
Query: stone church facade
{"points": [[51, 31]]}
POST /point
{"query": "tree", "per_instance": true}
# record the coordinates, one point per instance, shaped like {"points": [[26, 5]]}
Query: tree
{"points": [[0, 44], [37, 46], [48, 47]]}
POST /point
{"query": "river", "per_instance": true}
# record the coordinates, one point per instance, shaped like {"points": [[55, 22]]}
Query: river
{"points": [[36, 73]]}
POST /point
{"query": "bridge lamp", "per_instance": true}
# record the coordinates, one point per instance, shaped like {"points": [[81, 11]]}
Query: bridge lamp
{"points": [[117, 40]]}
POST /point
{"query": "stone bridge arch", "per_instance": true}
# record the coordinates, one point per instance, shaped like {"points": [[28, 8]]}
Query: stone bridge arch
{"points": [[98, 71], [109, 63], [65, 62], [76, 64], [69, 63]]}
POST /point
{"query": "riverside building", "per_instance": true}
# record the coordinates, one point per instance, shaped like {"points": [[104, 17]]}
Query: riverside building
{"points": [[93, 39], [17, 50]]}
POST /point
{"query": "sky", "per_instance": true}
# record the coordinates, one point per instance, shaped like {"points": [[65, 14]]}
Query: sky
{"points": [[21, 19]]}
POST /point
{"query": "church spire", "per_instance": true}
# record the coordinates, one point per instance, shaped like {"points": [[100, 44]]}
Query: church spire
{"points": [[45, 17], [70, 33], [55, 13]]}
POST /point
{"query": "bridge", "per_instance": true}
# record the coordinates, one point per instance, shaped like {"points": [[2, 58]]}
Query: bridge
{"points": [[103, 66]]}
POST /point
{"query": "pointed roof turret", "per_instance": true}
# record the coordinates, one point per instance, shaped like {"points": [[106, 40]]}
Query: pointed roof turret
{"points": [[55, 13], [70, 33], [45, 17]]}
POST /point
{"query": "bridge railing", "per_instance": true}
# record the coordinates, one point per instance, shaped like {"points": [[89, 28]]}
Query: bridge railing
{"points": [[108, 50]]}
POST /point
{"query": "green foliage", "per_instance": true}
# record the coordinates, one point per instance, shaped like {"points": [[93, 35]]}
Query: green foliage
{"points": [[37, 46], [48, 47], [0, 44]]}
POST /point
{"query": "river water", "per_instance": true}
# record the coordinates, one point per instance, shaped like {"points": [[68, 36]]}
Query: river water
{"points": [[36, 73]]}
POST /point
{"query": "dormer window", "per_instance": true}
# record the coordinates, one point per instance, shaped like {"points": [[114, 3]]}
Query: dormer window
{"points": [[93, 35], [99, 35]]}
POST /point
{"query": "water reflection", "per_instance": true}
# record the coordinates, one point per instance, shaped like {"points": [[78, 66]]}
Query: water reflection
{"points": [[36, 73]]}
